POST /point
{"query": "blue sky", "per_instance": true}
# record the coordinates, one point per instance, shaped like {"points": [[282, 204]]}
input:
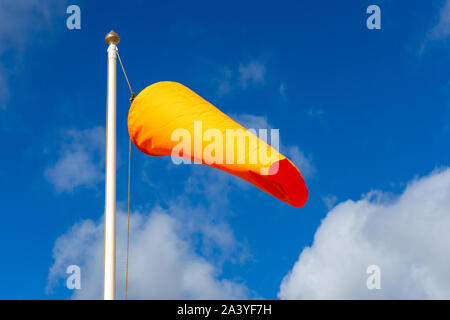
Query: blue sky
{"points": [[358, 110]]}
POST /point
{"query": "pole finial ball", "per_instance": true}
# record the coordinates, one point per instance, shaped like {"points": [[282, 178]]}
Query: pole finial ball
{"points": [[112, 38]]}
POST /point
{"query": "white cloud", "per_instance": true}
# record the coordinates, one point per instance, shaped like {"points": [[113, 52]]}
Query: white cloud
{"points": [[229, 79], [163, 263], [224, 81], [251, 121], [20, 21], [442, 29], [329, 201], [81, 161], [177, 252], [253, 72], [4, 89], [406, 236], [299, 158], [293, 152], [18, 17], [283, 91], [314, 112]]}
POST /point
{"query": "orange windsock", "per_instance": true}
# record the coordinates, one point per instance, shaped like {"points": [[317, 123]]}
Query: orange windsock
{"points": [[169, 119]]}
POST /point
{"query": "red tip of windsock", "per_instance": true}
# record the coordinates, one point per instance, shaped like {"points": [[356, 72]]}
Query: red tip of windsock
{"points": [[290, 181], [284, 182]]}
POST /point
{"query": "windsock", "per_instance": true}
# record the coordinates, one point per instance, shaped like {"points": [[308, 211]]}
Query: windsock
{"points": [[169, 119]]}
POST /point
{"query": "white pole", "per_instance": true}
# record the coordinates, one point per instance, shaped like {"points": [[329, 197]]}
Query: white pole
{"points": [[109, 264]]}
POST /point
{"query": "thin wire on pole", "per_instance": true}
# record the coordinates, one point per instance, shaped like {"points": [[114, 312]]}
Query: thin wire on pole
{"points": [[129, 183]]}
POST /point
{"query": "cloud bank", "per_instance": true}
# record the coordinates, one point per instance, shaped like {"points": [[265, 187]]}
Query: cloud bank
{"points": [[20, 21], [81, 160], [162, 262], [442, 29], [406, 236], [246, 75], [175, 253]]}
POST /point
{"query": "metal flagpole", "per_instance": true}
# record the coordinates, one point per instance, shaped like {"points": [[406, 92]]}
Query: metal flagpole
{"points": [[109, 263]]}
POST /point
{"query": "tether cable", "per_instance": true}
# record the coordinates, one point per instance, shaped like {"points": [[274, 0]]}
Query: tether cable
{"points": [[126, 78], [129, 180]]}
